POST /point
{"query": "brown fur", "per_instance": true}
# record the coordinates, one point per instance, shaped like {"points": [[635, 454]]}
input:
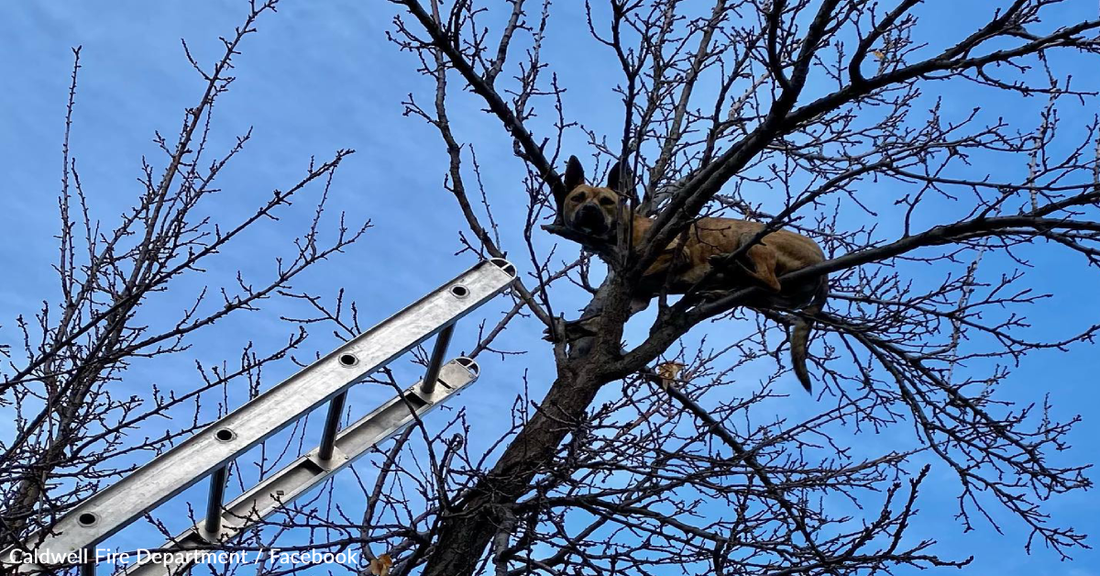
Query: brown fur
{"points": [[597, 210]]}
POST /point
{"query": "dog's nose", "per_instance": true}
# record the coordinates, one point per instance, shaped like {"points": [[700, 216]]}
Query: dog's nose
{"points": [[590, 217]]}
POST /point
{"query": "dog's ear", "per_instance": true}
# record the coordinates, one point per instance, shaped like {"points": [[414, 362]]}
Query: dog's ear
{"points": [[617, 177], [613, 177], [574, 174]]}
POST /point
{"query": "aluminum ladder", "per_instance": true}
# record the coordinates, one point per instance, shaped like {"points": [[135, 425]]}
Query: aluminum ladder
{"points": [[208, 453]]}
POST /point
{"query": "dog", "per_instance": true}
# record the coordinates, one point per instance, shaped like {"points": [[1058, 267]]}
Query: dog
{"points": [[597, 212]]}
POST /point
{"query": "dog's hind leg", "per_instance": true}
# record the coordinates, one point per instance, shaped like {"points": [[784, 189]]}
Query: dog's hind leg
{"points": [[760, 266], [763, 259]]}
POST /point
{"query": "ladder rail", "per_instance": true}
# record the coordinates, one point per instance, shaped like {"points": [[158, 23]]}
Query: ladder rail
{"points": [[118, 505]]}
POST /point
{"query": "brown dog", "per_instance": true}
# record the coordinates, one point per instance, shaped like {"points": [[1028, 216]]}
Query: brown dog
{"points": [[597, 211]]}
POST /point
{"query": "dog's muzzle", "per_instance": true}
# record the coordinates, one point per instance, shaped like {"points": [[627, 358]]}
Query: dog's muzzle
{"points": [[590, 220]]}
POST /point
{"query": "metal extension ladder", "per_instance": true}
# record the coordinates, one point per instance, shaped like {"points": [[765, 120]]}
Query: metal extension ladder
{"points": [[208, 453]]}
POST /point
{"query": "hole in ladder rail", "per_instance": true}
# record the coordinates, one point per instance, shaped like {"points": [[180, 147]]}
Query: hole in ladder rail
{"points": [[87, 519], [225, 435], [460, 291], [348, 360]]}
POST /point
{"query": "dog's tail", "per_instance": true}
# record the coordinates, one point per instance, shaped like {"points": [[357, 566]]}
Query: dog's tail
{"points": [[800, 336]]}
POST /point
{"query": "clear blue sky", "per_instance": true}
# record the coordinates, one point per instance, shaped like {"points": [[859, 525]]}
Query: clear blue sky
{"points": [[321, 76]]}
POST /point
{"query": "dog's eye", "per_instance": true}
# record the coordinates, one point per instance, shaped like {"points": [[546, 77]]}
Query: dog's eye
{"points": [[606, 201], [578, 197]]}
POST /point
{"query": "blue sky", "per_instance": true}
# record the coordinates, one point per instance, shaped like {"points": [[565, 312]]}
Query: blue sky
{"points": [[321, 76]]}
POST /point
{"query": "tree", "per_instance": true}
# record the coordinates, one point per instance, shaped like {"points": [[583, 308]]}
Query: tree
{"points": [[822, 117], [812, 102]]}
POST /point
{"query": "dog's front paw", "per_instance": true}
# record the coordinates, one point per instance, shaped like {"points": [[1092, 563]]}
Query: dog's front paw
{"points": [[719, 259]]}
